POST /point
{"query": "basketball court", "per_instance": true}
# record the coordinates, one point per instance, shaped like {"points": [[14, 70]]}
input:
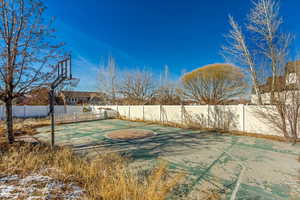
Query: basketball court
{"points": [[263, 169]]}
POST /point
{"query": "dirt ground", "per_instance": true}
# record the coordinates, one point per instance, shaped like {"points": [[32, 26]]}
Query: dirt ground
{"points": [[265, 169], [130, 134], [23, 128]]}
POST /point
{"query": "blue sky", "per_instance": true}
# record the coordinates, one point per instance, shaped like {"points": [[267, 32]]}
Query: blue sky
{"points": [[150, 33]]}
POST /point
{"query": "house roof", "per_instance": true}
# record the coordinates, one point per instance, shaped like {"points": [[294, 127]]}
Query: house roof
{"points": [[293, 67], [280, 81], [279, 84], [82, 94]]}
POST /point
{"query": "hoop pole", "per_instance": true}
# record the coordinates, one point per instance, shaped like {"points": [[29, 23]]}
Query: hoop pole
{"points": [[51, 95], [70, 57], [62, 75]]}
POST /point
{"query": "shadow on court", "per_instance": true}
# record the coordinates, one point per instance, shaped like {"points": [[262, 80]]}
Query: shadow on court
{"points": [[210, 159]]}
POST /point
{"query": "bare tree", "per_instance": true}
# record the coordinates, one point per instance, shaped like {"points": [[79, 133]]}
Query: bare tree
{"points": [[167, 92], [266, 43], [214, 84], [25, 49], [286, 115], [265, 23], [108, 79], [237, 50], [269, 47], [138, 87]]}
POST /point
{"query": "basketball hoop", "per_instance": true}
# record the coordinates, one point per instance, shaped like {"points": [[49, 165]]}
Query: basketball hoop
{"points": [[64, 73], [74, 82]]}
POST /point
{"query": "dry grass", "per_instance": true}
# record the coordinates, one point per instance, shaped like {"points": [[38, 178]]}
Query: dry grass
{"points": [[162, 123], [212, 195], [269, 137], [106, 177], [25, 126]]}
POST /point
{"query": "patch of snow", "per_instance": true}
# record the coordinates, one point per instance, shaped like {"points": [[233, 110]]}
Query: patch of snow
{"points": [[35, 178], [6, 191], [12, 187], [9, 178]]}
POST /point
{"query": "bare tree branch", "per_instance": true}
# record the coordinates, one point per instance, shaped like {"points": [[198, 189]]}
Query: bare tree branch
{"points": [[27, 51]]}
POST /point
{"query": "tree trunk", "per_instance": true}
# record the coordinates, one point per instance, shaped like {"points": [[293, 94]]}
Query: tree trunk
{"points": [[256, 86], [259, 99], [272, 97], [9, 121], [273, 85]]}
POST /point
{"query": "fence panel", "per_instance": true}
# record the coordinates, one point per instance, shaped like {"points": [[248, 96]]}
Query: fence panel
{"points": [[197, 115], [152, 113], [171, 114], [35, 111], [255, 123], [39, 111], [136, 112], [124, 111], [233, 117]]}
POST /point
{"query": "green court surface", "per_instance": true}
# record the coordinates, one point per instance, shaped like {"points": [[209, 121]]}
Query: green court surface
{"points": [[265, 169]]}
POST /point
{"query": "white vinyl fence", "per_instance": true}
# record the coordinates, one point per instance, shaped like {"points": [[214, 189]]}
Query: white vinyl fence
{"points": [[232, 117], [39, 111], [63, 114]]}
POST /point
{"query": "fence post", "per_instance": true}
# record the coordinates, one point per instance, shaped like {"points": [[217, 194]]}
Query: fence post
{"points": [[208, 116], [47, 110], [2, 112], [24, 111], [129, 112], [242, 117], [182, 113], [143, 112], [224, 119], [160, 113]]}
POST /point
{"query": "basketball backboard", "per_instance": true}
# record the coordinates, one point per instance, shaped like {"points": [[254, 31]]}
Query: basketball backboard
{"points": [[64, 71], [64, 68]]}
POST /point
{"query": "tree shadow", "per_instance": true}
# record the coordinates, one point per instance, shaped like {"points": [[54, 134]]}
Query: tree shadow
{"points": [[217, 117], [171, 144], [163, 143]]}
